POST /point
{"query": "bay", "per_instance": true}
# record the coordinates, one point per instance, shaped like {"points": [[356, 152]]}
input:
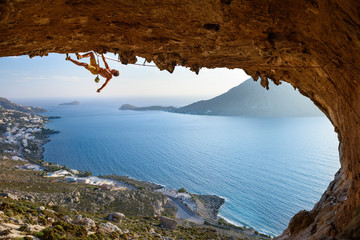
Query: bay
{"points": [[267, 169]]}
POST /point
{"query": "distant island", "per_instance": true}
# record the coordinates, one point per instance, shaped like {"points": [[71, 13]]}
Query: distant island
{"points": [[71, 103], [248, 99], [6, 104], [151, 108]]}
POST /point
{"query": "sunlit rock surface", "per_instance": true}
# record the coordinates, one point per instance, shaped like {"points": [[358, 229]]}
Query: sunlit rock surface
{"points": [[312, 44]]}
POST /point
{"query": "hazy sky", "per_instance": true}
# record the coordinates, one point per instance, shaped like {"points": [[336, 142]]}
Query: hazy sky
{"points": [[52, 76]]}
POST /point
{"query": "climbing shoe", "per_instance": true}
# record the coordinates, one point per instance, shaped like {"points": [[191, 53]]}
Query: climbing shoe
{"points": [[78, 56], [67, 57]]}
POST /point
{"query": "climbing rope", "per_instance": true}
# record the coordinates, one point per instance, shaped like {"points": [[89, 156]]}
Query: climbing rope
{"points": [[137, 64], [244, 66]]}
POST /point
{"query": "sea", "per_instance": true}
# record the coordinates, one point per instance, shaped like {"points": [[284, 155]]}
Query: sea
{"points": [[266, 169]]}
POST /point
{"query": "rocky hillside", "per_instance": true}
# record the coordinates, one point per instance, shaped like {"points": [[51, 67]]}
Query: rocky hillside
{"points": [[32, 205], [33, 186], [6, 104]]}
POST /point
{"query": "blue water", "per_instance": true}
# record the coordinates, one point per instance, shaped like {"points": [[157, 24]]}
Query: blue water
{"points": [[266, 169]]}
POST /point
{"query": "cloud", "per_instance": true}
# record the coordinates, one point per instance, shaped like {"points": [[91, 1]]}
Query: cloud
{"points": [[16, 57], [67, 78]]}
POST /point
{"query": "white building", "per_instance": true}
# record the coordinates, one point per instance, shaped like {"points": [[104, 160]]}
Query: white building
{"points": [[59, 173], [31, 167], [16, 158]]}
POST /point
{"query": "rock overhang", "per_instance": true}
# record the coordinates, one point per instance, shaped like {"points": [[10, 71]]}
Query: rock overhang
{"points": [[312, 44]]}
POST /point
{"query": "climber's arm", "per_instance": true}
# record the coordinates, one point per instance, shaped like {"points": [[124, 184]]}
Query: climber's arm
{"points": [[106, 82], [106, 65]]}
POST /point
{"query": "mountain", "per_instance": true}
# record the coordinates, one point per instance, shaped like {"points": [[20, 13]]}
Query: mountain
{"points": [[6, 104], [71, 103], [248, 99]]}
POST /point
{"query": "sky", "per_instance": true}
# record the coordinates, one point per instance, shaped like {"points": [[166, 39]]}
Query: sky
{"points": [[53, 77]]}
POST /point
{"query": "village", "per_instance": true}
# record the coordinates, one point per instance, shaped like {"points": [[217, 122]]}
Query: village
{"points": [[21, 133]]}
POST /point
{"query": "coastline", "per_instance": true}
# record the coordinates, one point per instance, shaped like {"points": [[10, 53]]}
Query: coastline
{"points": [[36, 157]]}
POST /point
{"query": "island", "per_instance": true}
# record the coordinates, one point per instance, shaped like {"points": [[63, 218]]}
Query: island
{"points": [[74, 103], [247, 99], [150, 108]]}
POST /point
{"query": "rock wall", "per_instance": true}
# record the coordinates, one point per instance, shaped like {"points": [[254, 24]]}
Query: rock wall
{"points": [[312, 44]]}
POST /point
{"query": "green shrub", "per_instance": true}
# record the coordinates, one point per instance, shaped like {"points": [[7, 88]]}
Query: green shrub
{"points": [[38, 234], [5, 232], [114, 235], [85, 174], [97, 236], [182, 190], [5, 206], [70, 229], [24, 228], [59, 228], [42, 220], [49, 234], [9, 213], [222, 221]]}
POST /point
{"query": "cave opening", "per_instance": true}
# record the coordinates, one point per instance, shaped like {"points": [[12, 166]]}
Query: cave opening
{"points": [[289, 157]]}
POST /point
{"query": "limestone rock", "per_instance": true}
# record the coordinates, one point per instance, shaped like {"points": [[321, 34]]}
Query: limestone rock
{"points": [[67, 219], [73, 210], [9, 195], [108, 227], [41, 208], [168, 222], [77, 219], [88, 223], [115, 216], [50, 220]]}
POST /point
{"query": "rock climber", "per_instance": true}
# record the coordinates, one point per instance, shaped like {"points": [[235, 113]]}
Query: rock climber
{"points": [[94, 68]]}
